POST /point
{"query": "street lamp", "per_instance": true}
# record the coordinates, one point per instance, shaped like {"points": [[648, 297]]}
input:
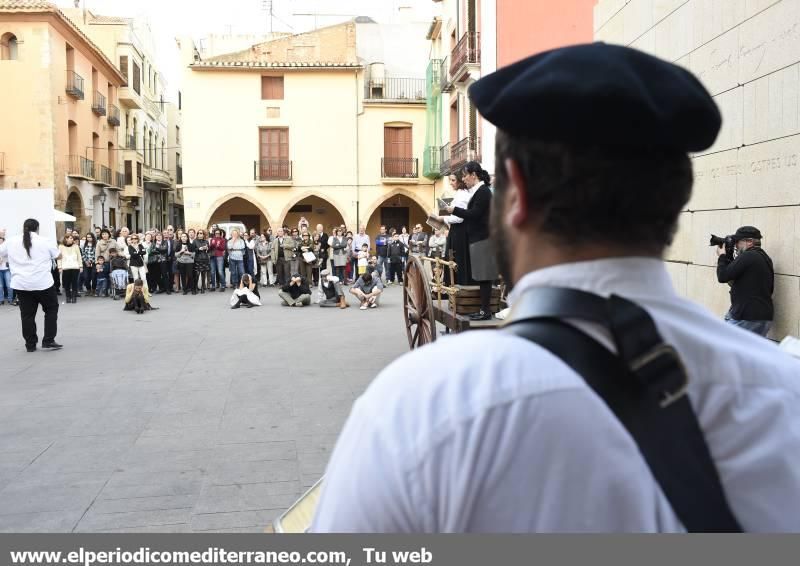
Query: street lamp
{"points": [[102, 208]]}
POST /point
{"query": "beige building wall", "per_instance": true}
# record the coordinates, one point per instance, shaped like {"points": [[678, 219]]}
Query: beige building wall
{"points": [[36, 112], [336, 142], [747, 53]]}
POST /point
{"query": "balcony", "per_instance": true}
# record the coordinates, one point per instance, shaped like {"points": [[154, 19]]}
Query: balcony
{"points": [[393, 89], [103, 175], [444, 159], [99, 104], [445, 84], [430, 163], [80, 168], [74, 85], [399, 169], [465, 150], [128, 96], [466, 57], [113, 115], [117, 181], [272, 172], [130, 142], [157, 177]]}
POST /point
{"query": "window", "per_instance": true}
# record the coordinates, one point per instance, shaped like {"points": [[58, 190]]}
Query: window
{"points": [[138, 174], [274, 154], [177, 134], [397, 155], [128, 172], [8, 47], [123, 66], [271, 88], [137, 77], [179, 100]]}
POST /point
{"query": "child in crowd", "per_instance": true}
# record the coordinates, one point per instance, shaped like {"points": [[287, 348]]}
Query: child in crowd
{"points": [[119, 273], [137, 297], [363, 259], [102, 274]]}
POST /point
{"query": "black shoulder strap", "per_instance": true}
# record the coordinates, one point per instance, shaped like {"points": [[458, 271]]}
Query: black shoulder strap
{"points": [[644, 385]]}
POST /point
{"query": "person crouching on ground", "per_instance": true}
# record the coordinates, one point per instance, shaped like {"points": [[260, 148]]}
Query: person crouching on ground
{"points": [[331, 288], [296, 293], [137, 297], [247, 294], [119, 272], [367, 289]]}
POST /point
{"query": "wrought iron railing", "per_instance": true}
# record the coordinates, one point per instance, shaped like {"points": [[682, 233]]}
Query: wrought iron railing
{"points": [[444, 76], [272, 170], [105, 175], [444, 159], [467, 50], [464, 150], [119, 179], [74, 85], [99, 104], [80, 166], [113, 115], [400, 167], [430, 167], [395, 89]]}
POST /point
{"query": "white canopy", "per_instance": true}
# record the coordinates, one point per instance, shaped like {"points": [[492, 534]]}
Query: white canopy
{"points": [[63, 216]]}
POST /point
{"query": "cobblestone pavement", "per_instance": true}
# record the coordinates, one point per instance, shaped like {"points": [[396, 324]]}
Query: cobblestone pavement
{"points": [[194, 417]]}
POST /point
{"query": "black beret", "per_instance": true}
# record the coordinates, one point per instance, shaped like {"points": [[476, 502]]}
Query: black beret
{"points": [[747, 232], [600, 94]]}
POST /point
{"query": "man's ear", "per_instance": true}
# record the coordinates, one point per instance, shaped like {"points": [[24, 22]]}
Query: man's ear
{"points": [[516, 197]]}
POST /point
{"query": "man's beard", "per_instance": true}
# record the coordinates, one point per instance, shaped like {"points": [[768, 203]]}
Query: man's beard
{"points": [[500, 243]]}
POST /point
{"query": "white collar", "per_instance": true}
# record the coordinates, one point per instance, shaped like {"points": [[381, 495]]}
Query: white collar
{"points": [[630, 277]]}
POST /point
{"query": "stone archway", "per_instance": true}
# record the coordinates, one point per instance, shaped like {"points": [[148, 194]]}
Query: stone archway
{"points": [[397, 209], [74, 206], [316, 209], [238, 207]]}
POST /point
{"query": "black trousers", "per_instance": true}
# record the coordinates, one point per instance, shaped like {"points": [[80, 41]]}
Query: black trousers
{"points": [[137, 304], [187, 276], [69, 281], [281, 268], [153, 276], [486, 295], [29, 302]]}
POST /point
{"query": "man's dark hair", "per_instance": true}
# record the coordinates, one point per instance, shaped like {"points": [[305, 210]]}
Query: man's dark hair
{"points": [[367, 278], [610, 195]]}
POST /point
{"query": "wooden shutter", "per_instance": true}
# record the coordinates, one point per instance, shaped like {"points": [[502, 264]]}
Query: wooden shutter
{"points": [[397, 151], [271, 88], [123, 66], [137, 78], [138, 174], [274, 153], [128, 173]]}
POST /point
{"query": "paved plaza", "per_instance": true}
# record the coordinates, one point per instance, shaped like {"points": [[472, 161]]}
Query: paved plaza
{"points": [[194, 417]]}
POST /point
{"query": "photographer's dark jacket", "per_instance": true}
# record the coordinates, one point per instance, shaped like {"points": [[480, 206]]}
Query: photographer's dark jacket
{"points": [[752, 279]]}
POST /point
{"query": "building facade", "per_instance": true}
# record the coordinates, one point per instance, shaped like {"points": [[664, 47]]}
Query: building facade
{"points": [[145, 136], [60, 113], [748, 56], [328, 125], [470, 39]]}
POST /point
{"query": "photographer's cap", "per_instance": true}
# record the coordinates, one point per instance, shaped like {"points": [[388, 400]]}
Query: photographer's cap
{"points": [[746, 233], [600, 94]]}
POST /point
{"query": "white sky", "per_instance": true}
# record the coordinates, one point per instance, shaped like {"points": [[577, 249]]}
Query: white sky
{"points": [[198, 18]]}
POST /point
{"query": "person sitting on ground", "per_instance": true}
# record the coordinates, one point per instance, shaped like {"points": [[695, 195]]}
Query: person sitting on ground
{"points": [[296, 293], [137, 297], [367, 289], [247, 294], [331, 288]]}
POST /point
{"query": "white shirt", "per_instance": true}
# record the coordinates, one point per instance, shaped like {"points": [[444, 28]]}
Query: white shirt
{"points": [[488, 432], [461, 200], [30, 273]]}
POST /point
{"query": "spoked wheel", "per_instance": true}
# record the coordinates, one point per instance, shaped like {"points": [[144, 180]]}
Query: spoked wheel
{"points": [[418, 305]]}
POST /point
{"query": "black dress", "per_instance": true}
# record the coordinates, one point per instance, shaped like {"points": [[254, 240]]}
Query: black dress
{"points": [[457, 243], [475, 228]]}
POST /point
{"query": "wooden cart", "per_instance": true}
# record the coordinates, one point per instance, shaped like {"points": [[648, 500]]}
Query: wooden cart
{"points": [[424, 306]]}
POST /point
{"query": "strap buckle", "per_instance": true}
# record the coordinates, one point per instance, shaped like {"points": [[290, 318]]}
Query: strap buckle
{"points": [[662, 367]]}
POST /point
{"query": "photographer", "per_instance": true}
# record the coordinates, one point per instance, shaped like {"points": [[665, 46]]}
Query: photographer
{"points": [[752, 280]]}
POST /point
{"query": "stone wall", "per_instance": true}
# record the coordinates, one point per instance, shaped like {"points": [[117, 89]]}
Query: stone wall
{"points": [[747, 53]]}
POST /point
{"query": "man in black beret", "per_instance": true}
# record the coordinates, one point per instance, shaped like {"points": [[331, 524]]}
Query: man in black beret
{"points": [[752, 280], [608, 402]]}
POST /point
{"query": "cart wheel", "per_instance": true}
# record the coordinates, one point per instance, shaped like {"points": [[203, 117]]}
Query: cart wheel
{"points": [[418, 305]]}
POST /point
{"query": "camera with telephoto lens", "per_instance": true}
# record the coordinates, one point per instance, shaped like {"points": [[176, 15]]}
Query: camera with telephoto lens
{"points": [[728, 241]]}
